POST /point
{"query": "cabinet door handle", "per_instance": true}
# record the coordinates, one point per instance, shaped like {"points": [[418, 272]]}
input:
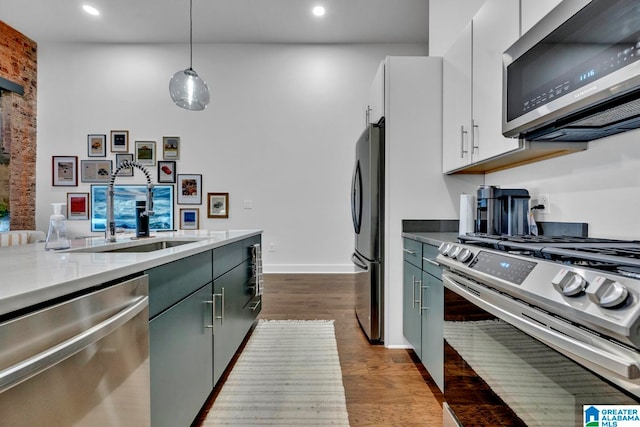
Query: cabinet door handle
{"points": [[214, 316], [213, 312], [475, 141], [413, 294], [419, 283], [407, 251], [430, 261], [256, 305], [221, 317], [421, 307], [462, 134]]}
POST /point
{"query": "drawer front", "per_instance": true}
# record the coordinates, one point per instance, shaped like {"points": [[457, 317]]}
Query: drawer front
{"points": [[170, 283], [429, 263], [227, 257], [412, 252]]}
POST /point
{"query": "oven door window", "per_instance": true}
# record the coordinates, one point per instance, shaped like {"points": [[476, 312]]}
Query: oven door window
{"points": [[497, 375]]}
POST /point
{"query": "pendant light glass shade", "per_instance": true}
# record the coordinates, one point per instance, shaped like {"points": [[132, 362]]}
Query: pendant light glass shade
{"points": [[186, 88]]}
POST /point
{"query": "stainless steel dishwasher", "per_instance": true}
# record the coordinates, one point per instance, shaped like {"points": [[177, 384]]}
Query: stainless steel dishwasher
{"points": [[81, 362]]}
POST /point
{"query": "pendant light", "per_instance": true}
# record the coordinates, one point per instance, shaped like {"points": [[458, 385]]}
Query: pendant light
{"points": [[188, 90]]}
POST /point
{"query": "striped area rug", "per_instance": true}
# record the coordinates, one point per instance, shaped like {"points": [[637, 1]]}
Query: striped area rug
{"points": [[287, 375]]}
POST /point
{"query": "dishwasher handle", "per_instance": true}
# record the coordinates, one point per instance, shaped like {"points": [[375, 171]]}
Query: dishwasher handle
{"points": [[22, 371]]}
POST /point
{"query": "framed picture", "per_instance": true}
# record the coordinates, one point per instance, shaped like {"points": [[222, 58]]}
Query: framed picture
{"points": [[64, 171], [96, 145], [146, 153], [119, 141], [124, 199], [189, 219], [95, 170], [189, 189], [171, 147], [166, 171], [218, 205], [77, 206], [119, 159]]}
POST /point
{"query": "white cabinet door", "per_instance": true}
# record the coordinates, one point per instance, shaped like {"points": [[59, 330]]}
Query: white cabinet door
{"points": [[376, 96], [456, 103], [495, 28], [533, 11]]}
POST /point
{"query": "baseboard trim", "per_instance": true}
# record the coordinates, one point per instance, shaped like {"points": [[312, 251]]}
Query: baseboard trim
{"points": [[398, 347], [309, 268]]}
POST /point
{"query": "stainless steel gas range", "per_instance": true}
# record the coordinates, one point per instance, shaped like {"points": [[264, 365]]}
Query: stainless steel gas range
{"points": [[547, 324]]}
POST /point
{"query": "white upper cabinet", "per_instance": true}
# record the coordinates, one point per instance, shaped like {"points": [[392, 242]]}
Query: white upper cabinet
{"points": [[472, 90], [375, 110], [534, 10], [472, 87], [495, 28], [456, 103]]}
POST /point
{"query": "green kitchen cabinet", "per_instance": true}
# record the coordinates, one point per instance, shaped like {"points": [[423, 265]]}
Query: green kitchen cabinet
{"points": [[423, 306], [229, 326], [235, 307], [411, 314], [200, 310], [180, 344], [432, 324], [180, 355], [169, 283]]}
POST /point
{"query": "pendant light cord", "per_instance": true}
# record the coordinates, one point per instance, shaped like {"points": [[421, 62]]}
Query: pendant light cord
{"points": [[191, 34]]}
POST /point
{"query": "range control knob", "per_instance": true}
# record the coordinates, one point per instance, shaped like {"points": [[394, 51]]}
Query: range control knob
{"points": [[453, 253], [607, 293], [464, 255], [444, 248], [568, 283]]}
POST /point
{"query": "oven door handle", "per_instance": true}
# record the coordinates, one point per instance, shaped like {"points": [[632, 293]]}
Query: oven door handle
{"points": [[617, 363]]}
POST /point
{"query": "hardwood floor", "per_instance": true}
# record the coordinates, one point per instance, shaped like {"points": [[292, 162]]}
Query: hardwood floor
{"points": [[383, 387]]}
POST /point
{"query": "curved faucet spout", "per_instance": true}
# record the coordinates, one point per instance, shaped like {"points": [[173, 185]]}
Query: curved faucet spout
{"points": [[110, 229]]}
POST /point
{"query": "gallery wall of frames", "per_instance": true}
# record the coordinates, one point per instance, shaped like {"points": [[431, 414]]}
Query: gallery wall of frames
{"points": [[174, 190]]}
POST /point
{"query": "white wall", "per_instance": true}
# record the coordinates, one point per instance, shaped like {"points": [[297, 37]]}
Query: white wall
{"points": [[280, 131], [599, 186], [447, 18]]}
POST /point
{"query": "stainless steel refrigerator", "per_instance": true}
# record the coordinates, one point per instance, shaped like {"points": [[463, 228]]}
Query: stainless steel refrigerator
{"points": [[367, 201]]}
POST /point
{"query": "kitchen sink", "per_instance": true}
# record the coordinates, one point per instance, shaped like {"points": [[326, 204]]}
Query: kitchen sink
{"points": [[134, 246]]}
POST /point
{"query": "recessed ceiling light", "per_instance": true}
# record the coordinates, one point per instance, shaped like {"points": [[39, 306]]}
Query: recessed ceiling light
{"points": [[91, 10], [318, 10]]}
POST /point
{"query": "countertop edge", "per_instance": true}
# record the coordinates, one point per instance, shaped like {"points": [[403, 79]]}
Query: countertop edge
{"points": [[431, 238], [126, 264]]}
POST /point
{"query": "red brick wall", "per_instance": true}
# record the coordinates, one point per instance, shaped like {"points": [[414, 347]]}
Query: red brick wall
{"points": [[18, 63]]}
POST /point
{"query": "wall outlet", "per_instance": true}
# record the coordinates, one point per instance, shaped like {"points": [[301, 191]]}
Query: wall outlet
{"points": [[542, 199], [272, 247], [248, 204]]}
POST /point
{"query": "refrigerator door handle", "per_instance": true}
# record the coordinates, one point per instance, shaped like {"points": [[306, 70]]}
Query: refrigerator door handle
{"points": [[358, 262], [356, 198]]}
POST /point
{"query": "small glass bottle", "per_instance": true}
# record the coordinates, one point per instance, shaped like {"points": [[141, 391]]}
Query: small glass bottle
{"points": [[57, 235]]}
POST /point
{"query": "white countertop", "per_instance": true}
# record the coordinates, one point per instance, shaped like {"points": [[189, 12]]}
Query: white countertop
{"points": [[30, 275]]}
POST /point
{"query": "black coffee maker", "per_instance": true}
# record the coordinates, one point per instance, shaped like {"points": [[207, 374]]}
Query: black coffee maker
{"points": [[502, 211]]}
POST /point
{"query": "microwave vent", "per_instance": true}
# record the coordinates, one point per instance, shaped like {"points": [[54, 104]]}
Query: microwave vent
{"points": [[612, 115]]}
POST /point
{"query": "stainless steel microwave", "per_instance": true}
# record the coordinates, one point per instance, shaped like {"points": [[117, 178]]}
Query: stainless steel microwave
{"points": [[575, 76]]}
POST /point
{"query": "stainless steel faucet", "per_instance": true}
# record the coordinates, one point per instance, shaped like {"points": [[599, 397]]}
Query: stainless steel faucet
{"points": [[110, 229]]}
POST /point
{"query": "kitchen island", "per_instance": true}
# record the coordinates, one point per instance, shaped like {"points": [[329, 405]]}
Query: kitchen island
{"points": [[203, 297], [31, 275]]}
